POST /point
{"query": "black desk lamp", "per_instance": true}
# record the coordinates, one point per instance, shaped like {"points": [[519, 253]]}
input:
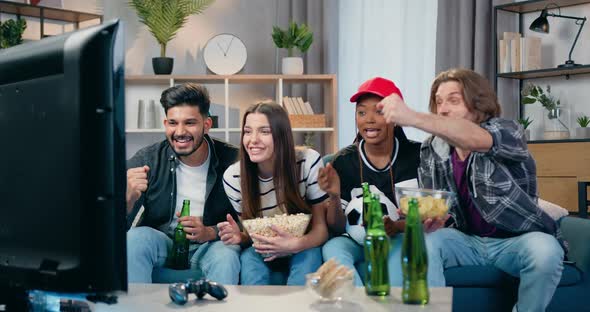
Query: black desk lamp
{"points": [[541, 24]]}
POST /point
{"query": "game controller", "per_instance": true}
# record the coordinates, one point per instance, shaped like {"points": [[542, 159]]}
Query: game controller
{"points": [[179, 292]]}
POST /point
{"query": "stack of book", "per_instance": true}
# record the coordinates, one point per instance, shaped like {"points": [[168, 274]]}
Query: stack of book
{"points": [[517, 53], [301, 113]]}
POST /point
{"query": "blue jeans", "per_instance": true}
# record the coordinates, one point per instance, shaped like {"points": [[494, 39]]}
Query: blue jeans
{"points": [[535, 257], [348, 253], [257, 272], [147, 248]]}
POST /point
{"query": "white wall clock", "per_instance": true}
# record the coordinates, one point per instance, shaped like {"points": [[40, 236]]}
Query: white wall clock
{"points": [[225, 54]]}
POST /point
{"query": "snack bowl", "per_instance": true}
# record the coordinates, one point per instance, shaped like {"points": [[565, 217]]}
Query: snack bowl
{"points": [[431, 203], [329, 288], [296, 224]]}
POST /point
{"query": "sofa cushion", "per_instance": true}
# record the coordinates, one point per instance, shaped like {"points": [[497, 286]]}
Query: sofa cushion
{"points": [[490, 276]]}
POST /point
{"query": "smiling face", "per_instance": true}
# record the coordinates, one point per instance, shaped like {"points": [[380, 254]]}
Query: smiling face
{"points": [[450, 101], [370, 121], [257, 140], [186, 129]]}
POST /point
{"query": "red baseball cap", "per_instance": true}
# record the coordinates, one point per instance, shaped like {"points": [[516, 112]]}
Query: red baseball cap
{"points": [[379, 86]]}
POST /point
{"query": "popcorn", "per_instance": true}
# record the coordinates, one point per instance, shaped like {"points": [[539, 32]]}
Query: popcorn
{"points": [[295, 224]]}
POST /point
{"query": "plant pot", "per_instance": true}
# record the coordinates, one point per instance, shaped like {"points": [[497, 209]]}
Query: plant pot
{"points": [[527, 134], [292, 66], [162, 65], [582, 133]]}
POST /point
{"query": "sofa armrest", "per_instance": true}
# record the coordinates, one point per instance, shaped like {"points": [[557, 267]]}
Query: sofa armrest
{"points": [[576, 232]]}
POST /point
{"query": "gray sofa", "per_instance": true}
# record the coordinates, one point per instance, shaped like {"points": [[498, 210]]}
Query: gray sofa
{"points": [[485, 288]]}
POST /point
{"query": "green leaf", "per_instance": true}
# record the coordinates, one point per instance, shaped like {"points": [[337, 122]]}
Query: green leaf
{"points": [[11, 32], [583, 121], [164, 18], [528, 100], [295, 36]]}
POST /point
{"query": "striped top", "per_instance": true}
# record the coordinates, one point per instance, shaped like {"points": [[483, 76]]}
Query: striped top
{"points": [[308, 161]]}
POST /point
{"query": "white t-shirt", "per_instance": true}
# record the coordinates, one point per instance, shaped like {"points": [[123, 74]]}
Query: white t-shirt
{"points": [[191, 183], [308, 161]]}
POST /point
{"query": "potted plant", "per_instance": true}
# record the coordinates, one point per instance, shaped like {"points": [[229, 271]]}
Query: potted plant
{"points": [[164, 18], [296, 36], [583, 132], [557, 118], [11, 32], [526, 122]]}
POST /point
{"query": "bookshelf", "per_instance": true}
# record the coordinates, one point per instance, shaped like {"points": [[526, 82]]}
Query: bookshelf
{"points": [[42, 13], [518, 9], [230, 126], [561, 164]]}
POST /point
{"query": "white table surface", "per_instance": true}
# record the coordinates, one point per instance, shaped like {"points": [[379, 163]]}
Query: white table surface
{"points": [[154, 297]]}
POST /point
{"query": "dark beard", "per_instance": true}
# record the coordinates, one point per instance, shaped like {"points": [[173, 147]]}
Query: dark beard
{"points": [[199, 143]]}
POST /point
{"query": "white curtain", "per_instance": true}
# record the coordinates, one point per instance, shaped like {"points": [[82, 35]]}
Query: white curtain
{"points": [[395, 39]]}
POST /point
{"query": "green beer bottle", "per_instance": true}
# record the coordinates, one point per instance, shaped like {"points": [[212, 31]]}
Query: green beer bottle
{"points": [[180, 245], [414, 259], [366, 203], [376, 251]]}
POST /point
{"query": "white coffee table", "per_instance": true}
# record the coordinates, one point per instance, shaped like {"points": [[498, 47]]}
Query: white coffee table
{"points": [[154, 297]]}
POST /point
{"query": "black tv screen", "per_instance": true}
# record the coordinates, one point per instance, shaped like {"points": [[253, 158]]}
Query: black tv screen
{"points": [[62, 163]]}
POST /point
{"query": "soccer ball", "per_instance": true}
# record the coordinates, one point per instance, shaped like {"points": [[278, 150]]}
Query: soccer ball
{"points": [[354, 212]]}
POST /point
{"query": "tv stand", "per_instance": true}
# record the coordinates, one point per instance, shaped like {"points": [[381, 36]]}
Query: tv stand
{"points": [[108, 299]]}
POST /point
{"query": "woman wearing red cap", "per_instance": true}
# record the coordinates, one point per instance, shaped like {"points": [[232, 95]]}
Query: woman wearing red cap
{"points": [[380, 155]]}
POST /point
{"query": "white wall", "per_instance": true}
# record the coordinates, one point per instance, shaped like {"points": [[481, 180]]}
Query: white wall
{"points": [[250, 20], [392, 39], [573, 93]]}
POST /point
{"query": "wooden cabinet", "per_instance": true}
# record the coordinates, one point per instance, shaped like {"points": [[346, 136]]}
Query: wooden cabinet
{"points": [[43, 14], [559, 168], [228, 99]]}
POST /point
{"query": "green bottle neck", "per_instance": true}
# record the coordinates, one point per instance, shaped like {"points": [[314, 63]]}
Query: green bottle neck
{"points": [[375, 226]]}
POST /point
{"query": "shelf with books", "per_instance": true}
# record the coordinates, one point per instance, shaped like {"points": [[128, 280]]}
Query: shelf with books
{"points": [[229, 103], [510, 75]]}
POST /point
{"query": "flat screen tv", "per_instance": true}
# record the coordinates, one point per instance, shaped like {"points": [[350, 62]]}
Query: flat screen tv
{"points": [[62, 164]]}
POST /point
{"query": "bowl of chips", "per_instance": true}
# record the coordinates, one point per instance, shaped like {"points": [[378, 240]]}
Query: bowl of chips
{"points": [[431, 203]]}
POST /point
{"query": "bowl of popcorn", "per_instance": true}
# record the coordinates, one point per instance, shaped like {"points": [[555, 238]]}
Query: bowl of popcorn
{"points": [[431, 203], [332, 281], [295, 224]]}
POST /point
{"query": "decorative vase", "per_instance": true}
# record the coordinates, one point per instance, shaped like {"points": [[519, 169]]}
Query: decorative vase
{"points": [[556, 124], [292, 66], [162, 65], [583, 133], [527, 134]]}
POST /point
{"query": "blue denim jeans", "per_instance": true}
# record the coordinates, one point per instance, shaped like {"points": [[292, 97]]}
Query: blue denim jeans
{"points": [[147, 248], [346, 251], [257, 272], [535, 257]]}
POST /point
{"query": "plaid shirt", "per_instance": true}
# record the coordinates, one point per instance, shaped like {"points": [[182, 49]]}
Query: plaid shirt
{"points": [[502, 181]]}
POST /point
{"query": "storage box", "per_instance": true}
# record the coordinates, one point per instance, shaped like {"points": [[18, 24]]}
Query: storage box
{"points": [[308, 121]]}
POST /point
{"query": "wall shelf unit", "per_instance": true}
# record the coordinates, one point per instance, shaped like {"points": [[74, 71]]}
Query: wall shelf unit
{"points": [[547, 72], [227, 127], [520, 8], [561, 164], [47, 13]]}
